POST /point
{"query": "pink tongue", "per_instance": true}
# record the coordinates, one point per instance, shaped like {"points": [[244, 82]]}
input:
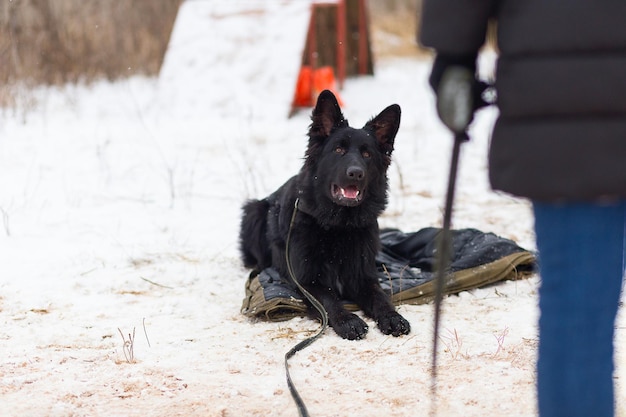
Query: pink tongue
{"points": [[350, 192]]}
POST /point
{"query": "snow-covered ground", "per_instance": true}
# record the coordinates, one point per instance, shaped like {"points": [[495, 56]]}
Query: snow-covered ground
{"points": [[119, 215]]}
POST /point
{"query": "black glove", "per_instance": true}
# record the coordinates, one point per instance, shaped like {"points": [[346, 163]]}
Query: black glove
{"points": [[444, 61]]}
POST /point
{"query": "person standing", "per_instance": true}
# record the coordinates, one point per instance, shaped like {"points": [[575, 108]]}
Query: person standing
{"points": [[560, 141]]}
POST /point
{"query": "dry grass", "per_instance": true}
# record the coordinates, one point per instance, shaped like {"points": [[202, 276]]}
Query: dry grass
{"points": [[59, 41], [394, 26]]}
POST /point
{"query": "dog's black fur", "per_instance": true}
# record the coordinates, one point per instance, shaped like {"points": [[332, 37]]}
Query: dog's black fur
{"points": [[342, 189]]}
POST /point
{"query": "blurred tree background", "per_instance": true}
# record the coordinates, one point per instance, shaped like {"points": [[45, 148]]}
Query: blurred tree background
{"points": [[59, 41]]}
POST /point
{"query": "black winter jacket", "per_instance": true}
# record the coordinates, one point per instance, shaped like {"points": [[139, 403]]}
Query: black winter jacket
{"points": [[561, 82]]}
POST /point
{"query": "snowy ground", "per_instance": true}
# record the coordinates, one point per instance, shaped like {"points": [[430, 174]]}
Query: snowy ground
{"points": [[119, 212]]}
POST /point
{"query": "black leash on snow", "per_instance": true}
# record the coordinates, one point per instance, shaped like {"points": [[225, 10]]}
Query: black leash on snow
{"points": [[306, 342], [444, 249], [455, 109]]}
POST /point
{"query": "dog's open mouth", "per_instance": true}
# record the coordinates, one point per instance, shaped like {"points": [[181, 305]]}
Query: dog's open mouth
{"points": [[349, 195]]}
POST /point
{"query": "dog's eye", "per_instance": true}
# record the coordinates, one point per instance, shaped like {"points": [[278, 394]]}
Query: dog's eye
{"points": [[365, 154], [339, 150]]}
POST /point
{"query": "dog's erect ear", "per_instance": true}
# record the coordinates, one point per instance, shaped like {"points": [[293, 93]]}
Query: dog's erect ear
{"points": [[326, 116], [385, 127]]}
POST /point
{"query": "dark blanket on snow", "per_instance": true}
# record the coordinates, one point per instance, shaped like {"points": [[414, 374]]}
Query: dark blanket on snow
{"points": [[406, 271]]}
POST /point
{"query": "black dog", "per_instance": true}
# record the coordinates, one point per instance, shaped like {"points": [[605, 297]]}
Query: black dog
{"points": [[341, 190]]}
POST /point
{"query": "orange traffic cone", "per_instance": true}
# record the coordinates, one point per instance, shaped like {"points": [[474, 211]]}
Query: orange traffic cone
{"points": [[311, 83]]}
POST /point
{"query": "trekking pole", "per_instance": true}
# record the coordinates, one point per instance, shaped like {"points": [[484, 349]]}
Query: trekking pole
{"points": [[455, 109]]}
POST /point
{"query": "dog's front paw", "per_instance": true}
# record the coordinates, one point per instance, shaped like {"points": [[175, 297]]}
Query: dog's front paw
{"points": [[350, 326], [394, 324]]}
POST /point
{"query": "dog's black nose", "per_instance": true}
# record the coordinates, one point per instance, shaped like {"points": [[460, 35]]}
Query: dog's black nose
{"points": [[355, 173]]}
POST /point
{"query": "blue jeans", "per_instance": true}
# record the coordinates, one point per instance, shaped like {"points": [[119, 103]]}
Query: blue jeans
{"points": [[581, 261]]}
